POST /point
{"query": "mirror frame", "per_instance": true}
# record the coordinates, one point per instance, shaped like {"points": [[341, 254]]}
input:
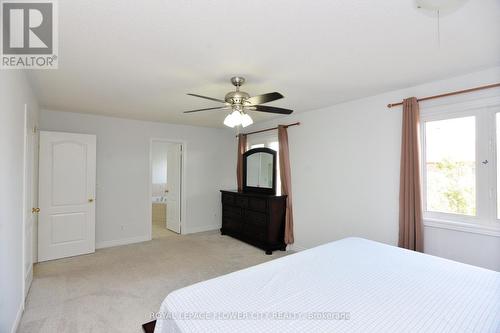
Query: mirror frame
{"points": [[266, 190]]}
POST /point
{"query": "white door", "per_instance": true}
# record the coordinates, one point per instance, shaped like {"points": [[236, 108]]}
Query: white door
{"points": [[29, 199], [174, 166], [66, 222]]}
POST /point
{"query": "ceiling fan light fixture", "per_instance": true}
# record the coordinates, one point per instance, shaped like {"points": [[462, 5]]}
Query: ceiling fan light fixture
{"points": [[233, 119], [229, 121], [237, 118], [246, 120]]}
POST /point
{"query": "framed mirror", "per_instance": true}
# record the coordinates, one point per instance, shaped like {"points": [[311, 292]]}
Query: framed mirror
{"points": [[259, 171]]}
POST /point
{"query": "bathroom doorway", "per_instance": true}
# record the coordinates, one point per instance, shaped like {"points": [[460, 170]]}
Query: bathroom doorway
{"points": [[166, 188]]}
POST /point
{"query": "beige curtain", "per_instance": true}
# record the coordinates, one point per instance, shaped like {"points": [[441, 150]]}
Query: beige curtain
{"points": [[286, 181], [410, 206], [242, 147]]}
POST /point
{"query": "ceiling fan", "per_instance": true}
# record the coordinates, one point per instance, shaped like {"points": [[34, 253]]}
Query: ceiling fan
{"points": [[240, 102]]}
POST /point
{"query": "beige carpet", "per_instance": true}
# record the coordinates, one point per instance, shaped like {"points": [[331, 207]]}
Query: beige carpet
{"points": [[116, 289]]}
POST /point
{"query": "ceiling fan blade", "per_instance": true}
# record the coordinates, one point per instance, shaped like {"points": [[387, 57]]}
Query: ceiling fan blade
{"points": [[210, 98], [206, 109], [265, 98], [270, 109]]}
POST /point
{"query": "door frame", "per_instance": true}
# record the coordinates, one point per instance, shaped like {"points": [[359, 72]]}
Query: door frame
{"points": [[183, 185], [28, 186]]}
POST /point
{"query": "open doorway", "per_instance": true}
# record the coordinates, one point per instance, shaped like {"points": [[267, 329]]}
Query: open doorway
{"points": [[166, 188]]}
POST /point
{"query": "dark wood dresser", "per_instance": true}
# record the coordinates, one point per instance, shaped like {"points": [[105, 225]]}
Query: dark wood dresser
{"points": [[255, 218]]}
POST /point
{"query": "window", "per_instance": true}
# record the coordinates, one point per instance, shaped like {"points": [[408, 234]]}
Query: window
{"points": [[459, 167], [451, 166]]}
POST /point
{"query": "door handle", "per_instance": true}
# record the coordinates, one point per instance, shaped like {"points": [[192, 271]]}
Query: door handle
{"points": [[91, 200], [35, 210]]}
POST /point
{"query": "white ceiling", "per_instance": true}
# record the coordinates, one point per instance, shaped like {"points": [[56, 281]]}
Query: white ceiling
{"points": [[138, 59]]}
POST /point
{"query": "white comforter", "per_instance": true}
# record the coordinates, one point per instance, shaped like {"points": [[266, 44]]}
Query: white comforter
{"points": [[351, 285]]}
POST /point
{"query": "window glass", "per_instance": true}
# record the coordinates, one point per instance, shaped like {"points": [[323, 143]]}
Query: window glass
{"points": [[450, 149], [275, 146]]}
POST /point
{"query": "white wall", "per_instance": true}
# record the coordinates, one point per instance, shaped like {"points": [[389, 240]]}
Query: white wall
{"points": [[345, 172], [15, 92], [123, 201]]}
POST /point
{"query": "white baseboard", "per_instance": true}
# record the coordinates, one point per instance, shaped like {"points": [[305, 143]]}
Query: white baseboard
{"points": [[123, 241], [202, 228], [19, 315], [28, 279]]}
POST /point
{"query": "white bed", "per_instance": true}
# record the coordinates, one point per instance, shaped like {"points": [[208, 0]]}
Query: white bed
{"points": [[351, 285]]}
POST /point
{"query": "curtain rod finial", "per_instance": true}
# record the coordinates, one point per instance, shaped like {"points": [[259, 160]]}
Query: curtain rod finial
{"points": [[389, 106]]}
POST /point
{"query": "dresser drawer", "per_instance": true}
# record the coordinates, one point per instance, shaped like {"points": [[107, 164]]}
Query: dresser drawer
{"points": [[255, 218], [231, 212], [255, 232], [257, 204], [228, 199], [242, 202], [232, 225]]}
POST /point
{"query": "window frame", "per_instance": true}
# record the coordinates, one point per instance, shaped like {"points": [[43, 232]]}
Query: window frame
{"points": [[264, 138], [486, 219]]}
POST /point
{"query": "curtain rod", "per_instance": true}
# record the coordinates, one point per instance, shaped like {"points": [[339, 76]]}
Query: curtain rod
{"points": [[449, 94], [270, 129]]}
